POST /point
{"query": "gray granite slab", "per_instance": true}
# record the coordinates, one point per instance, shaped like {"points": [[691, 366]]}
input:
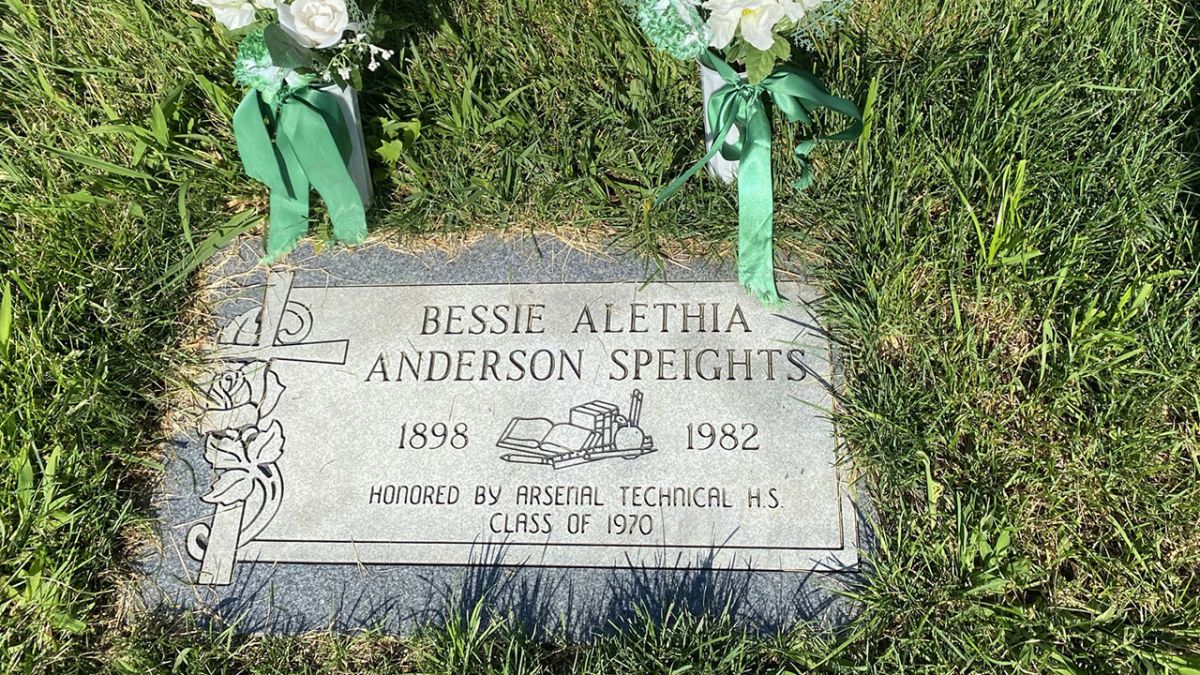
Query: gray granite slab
{"points": [[384, 438]]}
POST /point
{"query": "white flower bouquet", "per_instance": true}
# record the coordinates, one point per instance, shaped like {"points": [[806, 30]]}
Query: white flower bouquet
{"points": [[756, 34], [298, 127], [307, 41], [744, 48]]}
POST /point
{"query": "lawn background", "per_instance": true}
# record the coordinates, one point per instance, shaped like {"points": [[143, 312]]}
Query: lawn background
{"points": [[1009, 252]]}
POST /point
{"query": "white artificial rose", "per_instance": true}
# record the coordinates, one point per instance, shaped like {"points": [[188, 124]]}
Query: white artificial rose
{"points": [[234, 14], [315, 23]]}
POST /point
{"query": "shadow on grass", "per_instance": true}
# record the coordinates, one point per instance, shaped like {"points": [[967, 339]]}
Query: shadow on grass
{"points": [[498, 590]]}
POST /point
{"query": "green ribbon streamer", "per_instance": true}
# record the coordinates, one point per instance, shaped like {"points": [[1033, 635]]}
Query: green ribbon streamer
{"points": [[300, 144], [740, 104]]}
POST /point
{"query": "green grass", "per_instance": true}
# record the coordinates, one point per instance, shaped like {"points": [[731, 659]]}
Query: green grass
{"points": [[1010, 255]]}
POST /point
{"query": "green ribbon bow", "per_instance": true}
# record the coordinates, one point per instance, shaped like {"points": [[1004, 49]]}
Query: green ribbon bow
{"points": [[797, 93], [301, 143]]}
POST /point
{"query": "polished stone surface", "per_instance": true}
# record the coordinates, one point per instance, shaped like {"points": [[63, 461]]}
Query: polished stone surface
{"points": [[383, 436]]}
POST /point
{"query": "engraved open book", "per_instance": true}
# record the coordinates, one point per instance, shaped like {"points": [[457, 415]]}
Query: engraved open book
{"points": [[594, 431]]}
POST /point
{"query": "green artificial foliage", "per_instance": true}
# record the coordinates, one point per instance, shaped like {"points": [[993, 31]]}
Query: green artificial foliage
{"points": [[674, 26], [255, 69]]}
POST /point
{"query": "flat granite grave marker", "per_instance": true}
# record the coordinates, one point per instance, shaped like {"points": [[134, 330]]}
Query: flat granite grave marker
{"points": [[383, 434]]}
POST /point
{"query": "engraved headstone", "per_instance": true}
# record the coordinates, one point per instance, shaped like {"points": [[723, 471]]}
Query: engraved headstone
{"points": [[382, 435]]}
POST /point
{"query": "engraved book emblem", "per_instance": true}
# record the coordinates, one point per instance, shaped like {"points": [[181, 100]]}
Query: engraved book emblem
{"points": [[593, 431]]}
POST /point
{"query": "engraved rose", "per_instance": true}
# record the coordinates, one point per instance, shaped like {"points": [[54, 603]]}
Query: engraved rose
{"points": [[242, 397], [244, 459]]}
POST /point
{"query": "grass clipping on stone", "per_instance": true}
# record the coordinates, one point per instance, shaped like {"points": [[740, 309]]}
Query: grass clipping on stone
{"points": [[1009, 254]]}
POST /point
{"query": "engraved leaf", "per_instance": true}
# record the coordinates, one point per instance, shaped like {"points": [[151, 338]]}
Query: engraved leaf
{"points": [[224, 452], [270, 392], [267, 446], [242, 330], [231, 487], [264, 504]]}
